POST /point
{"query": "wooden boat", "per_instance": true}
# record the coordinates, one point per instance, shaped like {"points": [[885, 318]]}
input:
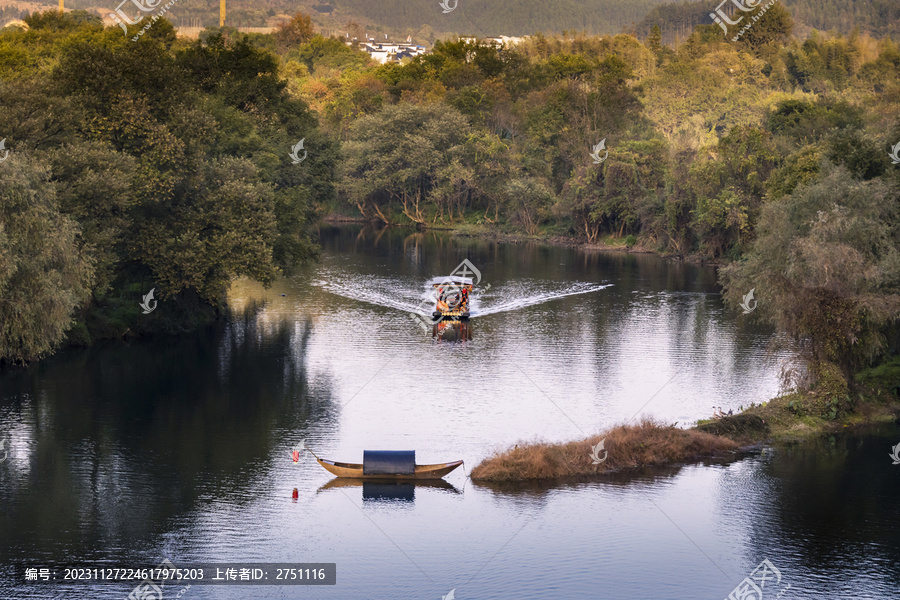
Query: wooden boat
{"points": [[452, 297], [387, 465]]}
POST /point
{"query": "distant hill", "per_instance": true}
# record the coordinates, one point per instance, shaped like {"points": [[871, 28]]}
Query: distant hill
{"points": [[425, 20], [877, 17], [509, 17]]}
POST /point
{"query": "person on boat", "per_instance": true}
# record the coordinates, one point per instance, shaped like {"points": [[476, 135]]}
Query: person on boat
{"points": [[441, 305]]}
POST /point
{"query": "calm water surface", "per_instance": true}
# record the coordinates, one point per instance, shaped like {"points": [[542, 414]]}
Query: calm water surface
{"points": [[180, 448]]}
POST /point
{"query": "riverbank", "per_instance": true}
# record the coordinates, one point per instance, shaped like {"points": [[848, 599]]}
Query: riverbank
{"points": [[785, 419], [610, 243]]}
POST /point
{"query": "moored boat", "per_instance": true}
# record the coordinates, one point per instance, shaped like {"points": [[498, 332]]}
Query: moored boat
{"points": [[386, 464]]}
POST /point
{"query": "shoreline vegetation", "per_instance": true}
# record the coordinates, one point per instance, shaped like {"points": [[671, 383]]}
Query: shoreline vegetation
{"points": [[609, 243], [649, 443]]}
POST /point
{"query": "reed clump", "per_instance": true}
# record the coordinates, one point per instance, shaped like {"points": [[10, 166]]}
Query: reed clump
{"points": [[647, 443]]}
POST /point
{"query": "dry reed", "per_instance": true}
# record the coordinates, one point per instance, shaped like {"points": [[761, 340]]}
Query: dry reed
{"points": [[628, 446]]}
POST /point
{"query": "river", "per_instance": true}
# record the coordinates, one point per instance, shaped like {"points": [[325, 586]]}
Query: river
{"points": [[180, 447]]}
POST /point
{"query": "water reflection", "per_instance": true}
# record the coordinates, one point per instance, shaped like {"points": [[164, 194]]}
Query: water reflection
{"points": [[452, 331], [389, 491], [162, 426], [823, 505], [180, 447]]}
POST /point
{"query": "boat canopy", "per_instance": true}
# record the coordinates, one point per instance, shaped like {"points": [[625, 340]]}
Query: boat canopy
{"points": [[389, 462], [451, 279]]}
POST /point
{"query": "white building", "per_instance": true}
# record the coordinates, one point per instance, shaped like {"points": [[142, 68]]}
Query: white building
{"points": [[385, 52]]}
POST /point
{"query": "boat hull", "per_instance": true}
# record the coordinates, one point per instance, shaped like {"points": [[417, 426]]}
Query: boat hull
{"points": [[355, 471]]}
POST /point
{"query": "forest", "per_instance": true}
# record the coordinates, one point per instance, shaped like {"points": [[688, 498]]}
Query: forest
{"points": [[165, 162]]}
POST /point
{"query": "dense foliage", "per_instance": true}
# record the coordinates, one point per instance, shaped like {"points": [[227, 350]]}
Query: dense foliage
{"points": [[141, 165]]}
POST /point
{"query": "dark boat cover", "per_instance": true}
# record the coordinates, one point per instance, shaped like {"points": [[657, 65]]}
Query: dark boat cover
{"points": [[389, 462]]}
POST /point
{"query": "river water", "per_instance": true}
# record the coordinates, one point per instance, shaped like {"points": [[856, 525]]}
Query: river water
{"points": [[180, 447]]}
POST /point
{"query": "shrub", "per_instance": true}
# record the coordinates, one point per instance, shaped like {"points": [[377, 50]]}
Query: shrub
{"points": [[831, 394]]}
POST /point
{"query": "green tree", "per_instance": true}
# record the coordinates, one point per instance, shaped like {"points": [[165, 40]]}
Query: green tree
{"points": [[221, 226], [400, 154], [802, 123], [44, 273], [528, 201], [654, 40], [94, 186], [826, 268], [771, 30]]}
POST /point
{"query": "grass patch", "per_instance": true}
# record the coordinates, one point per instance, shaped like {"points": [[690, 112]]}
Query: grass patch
{"points": [[648, 443], [885, 376], [742, 427]]}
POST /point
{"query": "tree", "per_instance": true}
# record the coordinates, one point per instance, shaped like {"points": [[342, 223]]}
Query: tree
{"points": [[293, 32], [94, 186], [529, 202], [242, 75], [402, 154], [44, 274], [806, 122], [654, 43], [57, 21], [826, 268], [770, 31], [220, 226]]}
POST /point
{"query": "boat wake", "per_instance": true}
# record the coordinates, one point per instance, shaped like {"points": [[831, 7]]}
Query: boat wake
{"points": [[391, 294], [533, 299], [384, 293]]}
